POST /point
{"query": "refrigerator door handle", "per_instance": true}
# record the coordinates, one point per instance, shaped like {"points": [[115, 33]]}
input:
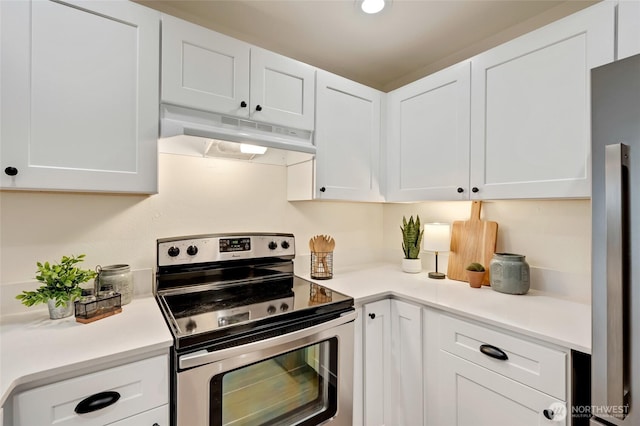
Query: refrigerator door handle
{"points": [[616, 160]]}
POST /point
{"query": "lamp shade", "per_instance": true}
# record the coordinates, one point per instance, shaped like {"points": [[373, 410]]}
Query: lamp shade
{"points": [[437, 237]]}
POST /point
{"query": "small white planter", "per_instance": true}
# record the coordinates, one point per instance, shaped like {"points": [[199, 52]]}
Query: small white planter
{"points": [[412, 266]]}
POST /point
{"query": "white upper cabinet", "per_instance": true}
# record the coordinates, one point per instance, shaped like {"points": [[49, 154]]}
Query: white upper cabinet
{"points": [[347, 140], [209, 71], [79, 96], [203, 69], [530, 108], [628, 28], [428, 137], [282, 90]]}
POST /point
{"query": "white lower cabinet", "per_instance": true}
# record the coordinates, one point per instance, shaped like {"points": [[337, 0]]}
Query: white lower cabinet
{"points": [[156, 417], [132, 394], [486, 377], [390, 392], [376, 362], [475, 396], [420, 366], [406, 364]]}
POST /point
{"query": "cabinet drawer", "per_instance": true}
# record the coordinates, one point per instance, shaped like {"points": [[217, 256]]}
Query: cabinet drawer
{"points": [[158, 416], [142, 385], [537, 366]]}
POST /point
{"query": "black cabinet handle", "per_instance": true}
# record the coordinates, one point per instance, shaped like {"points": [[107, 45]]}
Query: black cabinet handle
{"points": [[323, 189], [474, 189], [258, 108], [460, 190], [11, 171], [97, 402], [548, 413], [493, 352], [243, 104], [372, 316]]}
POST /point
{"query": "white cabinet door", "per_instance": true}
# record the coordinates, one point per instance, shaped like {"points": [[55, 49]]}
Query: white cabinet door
{"points": [[428, 137], [204, 69], [377, 363], [530, 109], [347, 140], [628, 28], [282, 90], [406, 366], [79, 96], [471, 395]]}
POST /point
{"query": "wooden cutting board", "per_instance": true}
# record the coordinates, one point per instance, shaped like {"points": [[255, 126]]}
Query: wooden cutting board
{"points": [[472, 240]]}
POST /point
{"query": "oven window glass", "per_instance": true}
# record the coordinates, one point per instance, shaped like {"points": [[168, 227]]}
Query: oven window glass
{"points": [[295, 388]]}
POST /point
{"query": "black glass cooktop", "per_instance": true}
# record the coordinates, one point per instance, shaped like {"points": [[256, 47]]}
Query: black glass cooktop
{"points": [[216, 314]]}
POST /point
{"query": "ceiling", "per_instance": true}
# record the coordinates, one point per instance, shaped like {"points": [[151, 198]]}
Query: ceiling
{"points": [[406, 41]]}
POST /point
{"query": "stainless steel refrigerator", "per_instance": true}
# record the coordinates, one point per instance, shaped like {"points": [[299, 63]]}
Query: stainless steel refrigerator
{"points": [[615, 134]]}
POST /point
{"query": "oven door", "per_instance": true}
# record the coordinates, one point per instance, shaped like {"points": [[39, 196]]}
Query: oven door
{"points": [[300, 378]]}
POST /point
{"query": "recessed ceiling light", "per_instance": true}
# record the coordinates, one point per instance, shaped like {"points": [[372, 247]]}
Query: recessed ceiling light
{"points": [[372, 6]]}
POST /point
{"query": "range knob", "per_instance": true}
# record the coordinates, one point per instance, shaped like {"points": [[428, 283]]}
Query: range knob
{"points": [[285, 244], [284, 307], [273, 245], [271, 310], [173, 251], [192, 250]]}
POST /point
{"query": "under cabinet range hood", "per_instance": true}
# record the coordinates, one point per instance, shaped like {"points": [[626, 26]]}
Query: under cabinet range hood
{"points": [[187, 131]]}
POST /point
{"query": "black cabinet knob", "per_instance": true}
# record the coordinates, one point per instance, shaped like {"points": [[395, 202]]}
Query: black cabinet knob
{"points": [[11, 171], [323, 189], [548, 413], [243, 104], [258, 108], [460, 190], [474, 189], [372, 316]]}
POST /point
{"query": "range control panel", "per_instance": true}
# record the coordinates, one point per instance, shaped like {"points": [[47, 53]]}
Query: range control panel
{"points": [[219, 247]]}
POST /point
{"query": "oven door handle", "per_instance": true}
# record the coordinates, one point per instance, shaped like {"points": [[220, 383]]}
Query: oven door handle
{"points": [[202, 357]]}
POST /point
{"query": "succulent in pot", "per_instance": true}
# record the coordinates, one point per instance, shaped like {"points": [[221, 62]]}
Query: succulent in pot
{"points": [[411, 243], [60, 286], [475, 274]]}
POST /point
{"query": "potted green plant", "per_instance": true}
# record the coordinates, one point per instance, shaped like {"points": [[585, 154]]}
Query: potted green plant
{"points": [[61, 286], [475, 274], [411, 243]]}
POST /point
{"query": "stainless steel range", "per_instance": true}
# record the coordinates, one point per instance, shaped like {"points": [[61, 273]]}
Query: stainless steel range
{"points": [[253, 343]]}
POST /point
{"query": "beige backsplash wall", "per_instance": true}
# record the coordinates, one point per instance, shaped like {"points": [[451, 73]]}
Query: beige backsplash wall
{"points": [[555, 236], [206, 195], [196, 196]]}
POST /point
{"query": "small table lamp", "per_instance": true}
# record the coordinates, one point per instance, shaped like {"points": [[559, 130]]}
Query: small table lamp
{"points": [[437, 239]]}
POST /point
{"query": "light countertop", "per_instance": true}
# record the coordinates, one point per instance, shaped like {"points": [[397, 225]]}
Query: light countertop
{"points": [[561, 322], [34, 348]]}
